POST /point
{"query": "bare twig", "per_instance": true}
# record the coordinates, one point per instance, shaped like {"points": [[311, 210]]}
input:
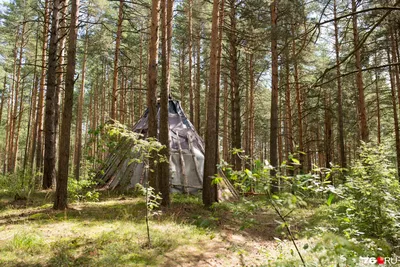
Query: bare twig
{"points": [[287, 227]]}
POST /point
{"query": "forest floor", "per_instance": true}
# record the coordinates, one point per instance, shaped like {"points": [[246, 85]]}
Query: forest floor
{"points": [[112, 232]]}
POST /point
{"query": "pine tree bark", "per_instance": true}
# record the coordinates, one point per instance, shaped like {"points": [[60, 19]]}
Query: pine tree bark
{"points": [[3, 92], [13, 106], [328, 130], [378, 104], [60, 202], [32, 102], [94, 123], [225, 141], [251, 114], [235, 94], [166, 32], [116, 57], [39, 117], [218, 92], [2, 99], [122, 94], [140, 76], [190, 55], [198, 83], [60, 67], [289, 120], [89, 122], [280, 128], [364, 132], [274, 98], [210, 164], [79, 114], [393, 82], [342, 149], [49, 167], [18, 102], [32, 117], [182, 76], [299, 103], [8, 126], [152, 85], [17, 88], [395, 58], [17, 134]]}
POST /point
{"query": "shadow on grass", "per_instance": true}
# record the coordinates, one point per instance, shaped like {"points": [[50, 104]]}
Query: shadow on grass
{"points": [[36, 199], [107, 249], [243, 218]]}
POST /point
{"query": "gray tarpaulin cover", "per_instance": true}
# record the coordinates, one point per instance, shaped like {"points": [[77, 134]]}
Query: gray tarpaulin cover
{"points": [[186, 158]]}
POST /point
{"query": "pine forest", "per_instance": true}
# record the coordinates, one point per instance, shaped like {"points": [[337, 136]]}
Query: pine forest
{"points": [[199, 133]]}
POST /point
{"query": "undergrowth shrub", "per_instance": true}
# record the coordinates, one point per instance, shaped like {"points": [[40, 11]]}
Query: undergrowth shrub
{"points": [[20, 185], [82, 190], [371, 208]]}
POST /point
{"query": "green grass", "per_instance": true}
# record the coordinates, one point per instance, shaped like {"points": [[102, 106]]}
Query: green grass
{"points": [[112, 232]]}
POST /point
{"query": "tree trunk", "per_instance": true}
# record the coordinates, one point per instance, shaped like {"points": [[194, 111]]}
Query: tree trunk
{"points": [[13, 107], [32, 117], [289, 122], [79, 115], [49, 170], [32, 103], [39, 118], [280, 128], [2, 98], [96, 152], [18, 85], [299, 102], [122, 95], [116, 56], [395, 59], [394, 81], [182, 76], [152, 85], [198, 84], [235, 94], [342, 149], [16, 147], [394, 105], [166, 32], [218, 92], [328, 130], [210, 165], [89, 123], [274, 98], [17, 114], [60, 201], [140, 75], [225, 142], [378, 105], [190, 54], [60, 67], [8, 126], [251, 114], [359, 80]]}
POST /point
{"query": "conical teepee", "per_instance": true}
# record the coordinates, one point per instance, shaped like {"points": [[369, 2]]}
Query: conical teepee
{"points": [[121, 172]]}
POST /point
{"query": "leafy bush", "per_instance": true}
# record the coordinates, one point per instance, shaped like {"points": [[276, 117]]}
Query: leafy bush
{"points": [[372, 194], [19, 185], [82, 190]]}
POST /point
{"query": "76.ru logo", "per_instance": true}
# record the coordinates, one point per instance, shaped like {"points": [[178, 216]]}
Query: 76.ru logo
{"points": [[389, 261]]}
